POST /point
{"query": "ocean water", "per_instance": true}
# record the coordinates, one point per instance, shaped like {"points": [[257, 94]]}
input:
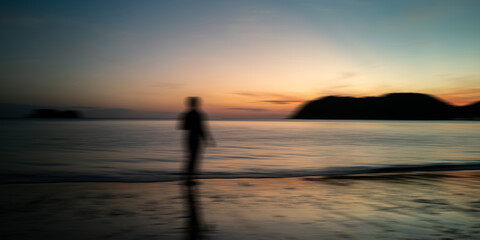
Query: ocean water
{"points": [[144, 150]]}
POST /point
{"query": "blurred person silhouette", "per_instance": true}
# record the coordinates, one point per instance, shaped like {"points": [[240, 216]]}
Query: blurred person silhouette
{"points": [[197, 136]]}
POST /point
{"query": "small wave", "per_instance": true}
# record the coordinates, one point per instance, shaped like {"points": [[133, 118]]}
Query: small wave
{"points": [[123, 175], [351, 170]]}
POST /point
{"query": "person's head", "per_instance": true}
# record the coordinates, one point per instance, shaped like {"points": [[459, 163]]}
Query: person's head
{"points": [[193, 102]]}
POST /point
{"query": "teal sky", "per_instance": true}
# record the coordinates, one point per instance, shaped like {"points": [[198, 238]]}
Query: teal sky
{"points": [[250, 59]]}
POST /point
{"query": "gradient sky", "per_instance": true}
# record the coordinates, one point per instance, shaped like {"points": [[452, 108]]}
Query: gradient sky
{"points": [[246, 59]]}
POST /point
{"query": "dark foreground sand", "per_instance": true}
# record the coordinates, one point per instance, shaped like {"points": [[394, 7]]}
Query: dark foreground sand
{"points": [[409, 206]]}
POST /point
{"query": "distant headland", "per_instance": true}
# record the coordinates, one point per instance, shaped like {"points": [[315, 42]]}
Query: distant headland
{"points": [[52, 113], [392, 106]]}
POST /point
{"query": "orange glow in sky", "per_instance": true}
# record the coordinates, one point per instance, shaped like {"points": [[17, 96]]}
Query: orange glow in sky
{"points": [[258, 59]]}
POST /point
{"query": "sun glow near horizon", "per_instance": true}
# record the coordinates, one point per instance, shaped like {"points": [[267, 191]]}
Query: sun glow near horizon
{"points": [[249, 59]]}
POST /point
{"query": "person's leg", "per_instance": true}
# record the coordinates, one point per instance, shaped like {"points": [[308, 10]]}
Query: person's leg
{"points": [[192, 161]]}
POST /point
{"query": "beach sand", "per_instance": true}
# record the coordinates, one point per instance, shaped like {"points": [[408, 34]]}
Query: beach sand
{"points": [[400, 206]]}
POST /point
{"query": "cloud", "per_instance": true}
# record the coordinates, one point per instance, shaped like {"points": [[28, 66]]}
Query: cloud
{"points": [[247, 94], [461, 96], [248, 109], [465, 80], [457, 89], [345, 75], [273, 98], [281, 101]]}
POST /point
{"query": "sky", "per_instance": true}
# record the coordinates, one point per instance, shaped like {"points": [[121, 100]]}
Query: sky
{"points": [[245, 59]]}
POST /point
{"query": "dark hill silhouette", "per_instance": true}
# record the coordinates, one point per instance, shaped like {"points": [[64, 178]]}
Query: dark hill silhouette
{"points": [[471, 111], [392, 106], [52, 113]]}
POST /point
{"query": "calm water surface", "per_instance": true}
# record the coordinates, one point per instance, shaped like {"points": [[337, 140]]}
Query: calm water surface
{"points": [[140, 150]]}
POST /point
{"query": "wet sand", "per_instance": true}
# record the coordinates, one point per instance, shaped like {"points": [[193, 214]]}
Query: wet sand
{"points": [[396, 206]]}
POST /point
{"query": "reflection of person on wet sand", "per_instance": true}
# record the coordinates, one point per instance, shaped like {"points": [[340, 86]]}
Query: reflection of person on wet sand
{"points": [[194, 225], [196, 135]]}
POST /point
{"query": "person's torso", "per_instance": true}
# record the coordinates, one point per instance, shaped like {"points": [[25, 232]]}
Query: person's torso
{"points": [[193, 123]]}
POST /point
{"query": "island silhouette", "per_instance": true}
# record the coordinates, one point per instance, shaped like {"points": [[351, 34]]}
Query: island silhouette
{"points": [[53, 113], [391, 106]]}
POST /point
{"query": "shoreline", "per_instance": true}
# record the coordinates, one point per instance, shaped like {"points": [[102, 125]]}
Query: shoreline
{"points": [[394, 206], [362, 174]]}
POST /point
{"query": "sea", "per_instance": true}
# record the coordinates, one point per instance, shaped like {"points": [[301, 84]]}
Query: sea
{"points": [[46, 151]]}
